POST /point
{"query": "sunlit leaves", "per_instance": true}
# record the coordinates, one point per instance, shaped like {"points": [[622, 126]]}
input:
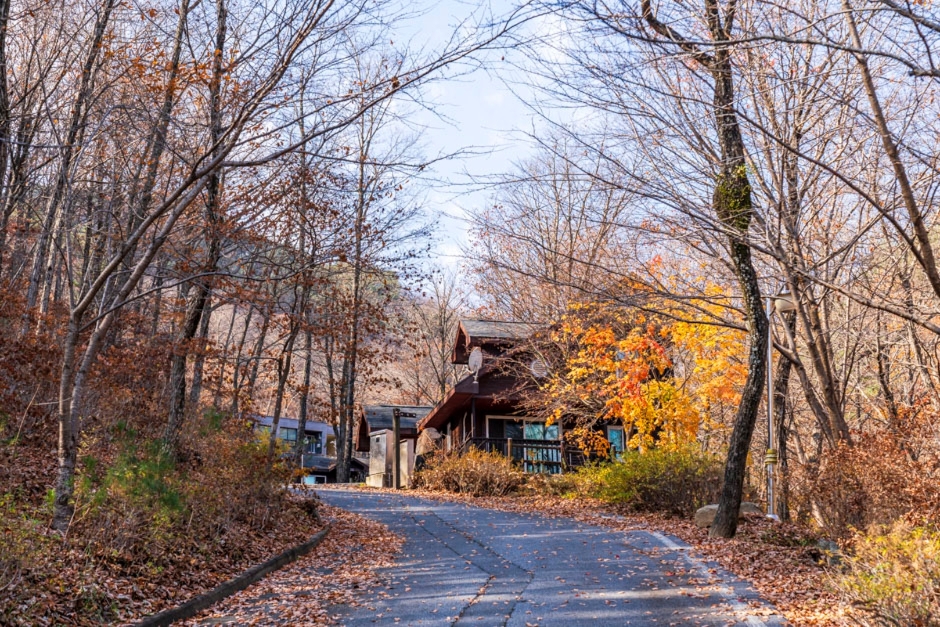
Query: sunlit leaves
{"points": [[660, 376]]}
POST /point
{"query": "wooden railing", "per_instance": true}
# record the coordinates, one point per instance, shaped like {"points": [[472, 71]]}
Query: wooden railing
{"points": [[533, 455]]}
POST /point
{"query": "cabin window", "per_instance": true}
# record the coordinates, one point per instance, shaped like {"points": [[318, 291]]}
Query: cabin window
{"points": [[540, 431], [288, 435], [506, 427], [615, 436], [313, 443]]}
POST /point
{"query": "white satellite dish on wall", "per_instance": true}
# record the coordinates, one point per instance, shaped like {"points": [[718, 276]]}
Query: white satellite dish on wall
{"points": [[539, 368], [475, 361]]}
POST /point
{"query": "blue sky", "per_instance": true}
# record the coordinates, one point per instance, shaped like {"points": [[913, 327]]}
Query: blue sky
{"points": [[480, 112]]}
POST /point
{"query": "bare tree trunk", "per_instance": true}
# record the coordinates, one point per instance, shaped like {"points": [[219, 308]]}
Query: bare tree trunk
{"points": [[195, 310], [157, 302], [726, 520], [916, 347], [223, 358], [304, 396], [16, 189], [236, 362], [884, 379], [781, 387], [195, 391], [283, 373], [42, 264], [256, 353], [5, 126]]}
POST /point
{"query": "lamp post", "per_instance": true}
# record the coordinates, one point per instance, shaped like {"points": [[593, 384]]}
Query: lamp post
{"points": [[780, 303]]}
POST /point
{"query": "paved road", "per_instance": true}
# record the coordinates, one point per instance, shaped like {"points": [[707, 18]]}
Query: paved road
{"points": [[463, 565]]}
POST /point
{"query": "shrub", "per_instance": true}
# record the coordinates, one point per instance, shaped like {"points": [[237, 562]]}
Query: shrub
{"points": [[569, 484], [676, 482], [874, 482], [475, 473], [143, 504], [894, 576]]}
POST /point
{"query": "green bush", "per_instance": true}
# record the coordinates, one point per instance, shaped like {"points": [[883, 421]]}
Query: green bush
{"points": [[676, 482], [894, 576], [475, 473]]}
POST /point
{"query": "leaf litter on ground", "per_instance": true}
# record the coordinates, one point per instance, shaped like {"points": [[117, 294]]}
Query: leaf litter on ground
{"points": [[340, 571]]}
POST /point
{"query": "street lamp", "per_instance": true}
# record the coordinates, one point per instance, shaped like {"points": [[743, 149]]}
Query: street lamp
{"points": [[781, 303]]}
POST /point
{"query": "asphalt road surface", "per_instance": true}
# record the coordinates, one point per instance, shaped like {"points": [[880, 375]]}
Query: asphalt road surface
{"points": [[464, 565]]}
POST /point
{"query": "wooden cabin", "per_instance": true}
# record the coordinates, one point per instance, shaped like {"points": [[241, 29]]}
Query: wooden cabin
{"points": [[484, 411]]}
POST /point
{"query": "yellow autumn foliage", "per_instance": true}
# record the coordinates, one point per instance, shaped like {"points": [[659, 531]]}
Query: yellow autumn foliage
{"points": [[661, 378]]}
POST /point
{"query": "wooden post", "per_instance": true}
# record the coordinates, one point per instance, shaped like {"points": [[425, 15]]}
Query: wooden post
{"points": [[396, 437], [509, 448]]}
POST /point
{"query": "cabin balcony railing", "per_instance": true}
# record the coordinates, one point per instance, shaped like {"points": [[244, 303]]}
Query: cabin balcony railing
{"points": [[534, 456]]}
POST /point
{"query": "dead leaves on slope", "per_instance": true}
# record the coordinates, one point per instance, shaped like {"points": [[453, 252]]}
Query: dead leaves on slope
{"points": [[340, 571]]}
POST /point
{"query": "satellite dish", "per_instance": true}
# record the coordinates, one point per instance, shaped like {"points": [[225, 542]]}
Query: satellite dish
{"points": [[539, 368], [475, 361]]}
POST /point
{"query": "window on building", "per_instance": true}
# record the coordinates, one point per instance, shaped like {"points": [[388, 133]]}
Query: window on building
{"points": [[504, 428], [617, 441], [313, 443], [288, 435]]}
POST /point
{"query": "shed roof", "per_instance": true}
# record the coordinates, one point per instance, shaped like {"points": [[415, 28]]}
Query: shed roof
{"points": [[493, 335], [292, 423], [380, 416]]}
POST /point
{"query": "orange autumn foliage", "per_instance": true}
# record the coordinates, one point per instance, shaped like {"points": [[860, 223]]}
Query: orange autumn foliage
{"points": [[659, 377]]}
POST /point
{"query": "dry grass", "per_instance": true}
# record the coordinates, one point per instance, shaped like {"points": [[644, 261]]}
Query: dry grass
{"points": [[475, 473]]}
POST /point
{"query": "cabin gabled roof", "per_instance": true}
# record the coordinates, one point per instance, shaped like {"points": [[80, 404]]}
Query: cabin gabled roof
{"points": [[473, 333], [311, 426]]}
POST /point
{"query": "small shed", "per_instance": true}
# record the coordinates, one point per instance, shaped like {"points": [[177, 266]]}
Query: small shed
{"points": [[375, 435], [378, 417]]}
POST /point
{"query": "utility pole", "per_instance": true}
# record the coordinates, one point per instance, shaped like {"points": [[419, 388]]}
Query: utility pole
{"points": [[397, 415], [396, 440]]}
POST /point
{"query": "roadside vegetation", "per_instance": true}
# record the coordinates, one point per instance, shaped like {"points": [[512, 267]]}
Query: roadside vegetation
{"points": [[475, 473], [149, 530]]}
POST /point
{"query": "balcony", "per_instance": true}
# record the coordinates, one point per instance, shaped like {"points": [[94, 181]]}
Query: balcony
{"points": [[534, 456]]}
